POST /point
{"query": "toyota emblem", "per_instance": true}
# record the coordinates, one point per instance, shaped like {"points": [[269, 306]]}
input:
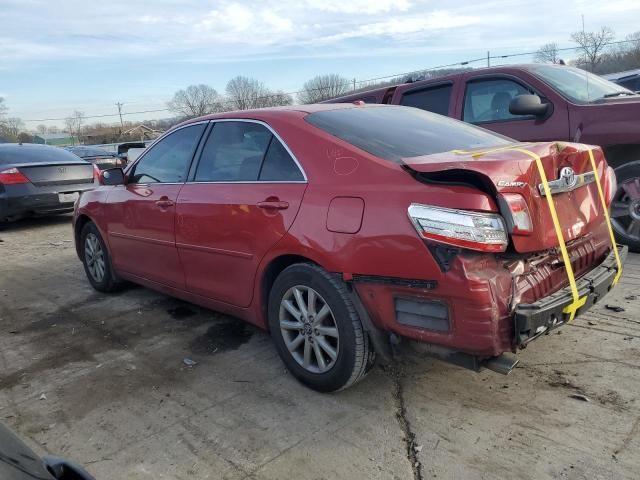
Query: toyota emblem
{"points": [[568, 176]]}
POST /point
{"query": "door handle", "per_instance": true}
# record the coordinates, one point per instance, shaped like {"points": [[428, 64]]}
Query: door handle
{"points": [[273, 205], [164, 202]]}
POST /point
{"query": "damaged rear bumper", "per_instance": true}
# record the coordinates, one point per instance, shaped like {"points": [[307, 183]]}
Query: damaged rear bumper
{"points": [[534, 319]]}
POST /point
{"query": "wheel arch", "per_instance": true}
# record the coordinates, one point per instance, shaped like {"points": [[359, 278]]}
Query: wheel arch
{"points": [[619, 155], [79, 224], [270, 272]]}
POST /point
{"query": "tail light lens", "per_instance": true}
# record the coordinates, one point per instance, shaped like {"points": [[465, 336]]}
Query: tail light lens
{"points": [[12, 176], [485, 232], [610, 185], [520, 216], [96, 173]]}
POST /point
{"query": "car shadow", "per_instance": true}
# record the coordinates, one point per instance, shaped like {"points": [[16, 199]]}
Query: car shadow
{"points": [[35, 222]]}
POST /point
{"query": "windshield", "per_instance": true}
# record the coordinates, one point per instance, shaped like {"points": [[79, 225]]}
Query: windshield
{"points": [[578, 85], [394, 133]]}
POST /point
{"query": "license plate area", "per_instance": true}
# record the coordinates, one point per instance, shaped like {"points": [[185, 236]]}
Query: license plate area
{"points": [[68, 197]]}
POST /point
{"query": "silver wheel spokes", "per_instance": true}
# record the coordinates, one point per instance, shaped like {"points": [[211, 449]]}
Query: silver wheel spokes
{"points": [[625, 209], [309, 329], [94, 257]]}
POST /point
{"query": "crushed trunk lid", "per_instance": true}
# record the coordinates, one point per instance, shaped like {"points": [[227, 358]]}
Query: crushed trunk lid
{"points": [[506, 170]]}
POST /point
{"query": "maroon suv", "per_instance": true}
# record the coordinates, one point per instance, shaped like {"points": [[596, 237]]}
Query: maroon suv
{"points": [[542, 103]]}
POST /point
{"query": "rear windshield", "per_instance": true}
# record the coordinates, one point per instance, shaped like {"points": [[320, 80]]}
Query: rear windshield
{"points": [[90, 152], [394, 133], [29, 153]]}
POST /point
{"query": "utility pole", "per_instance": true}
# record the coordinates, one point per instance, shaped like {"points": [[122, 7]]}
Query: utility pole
{"points": [[119, 105], [488, 59], [354, 84]]}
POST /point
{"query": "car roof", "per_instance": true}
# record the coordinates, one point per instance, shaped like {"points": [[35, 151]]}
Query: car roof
{"points": [[291, 111]]}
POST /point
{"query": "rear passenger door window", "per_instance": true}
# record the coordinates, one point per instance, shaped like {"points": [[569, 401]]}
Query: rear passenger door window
{"points": [[244, 152], [488, 100], [434, 99]]}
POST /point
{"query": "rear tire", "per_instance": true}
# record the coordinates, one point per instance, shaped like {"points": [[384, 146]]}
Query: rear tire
{"points": [[316, 328], [96, 260], [625, 207]]}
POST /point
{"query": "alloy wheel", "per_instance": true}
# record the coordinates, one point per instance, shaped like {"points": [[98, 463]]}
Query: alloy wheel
{"points": [[625, 209], [94, 257], [309, 329]]}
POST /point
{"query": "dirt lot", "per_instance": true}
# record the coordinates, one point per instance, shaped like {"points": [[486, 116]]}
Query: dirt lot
{"points": [[101, 379]]}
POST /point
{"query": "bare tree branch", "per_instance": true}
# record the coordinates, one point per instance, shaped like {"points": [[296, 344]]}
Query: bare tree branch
{"points": [[195, 101], [323, 87], [547, 53], [244, 93], [592, 45], [74, 124]]}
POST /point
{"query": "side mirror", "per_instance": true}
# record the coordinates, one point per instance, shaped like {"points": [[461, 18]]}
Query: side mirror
{"points": [[112, 176], [529, 105]]}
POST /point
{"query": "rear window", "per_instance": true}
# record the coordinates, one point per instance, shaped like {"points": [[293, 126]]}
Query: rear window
{"points": [[29, 153], [90, 152], [394, 133]]}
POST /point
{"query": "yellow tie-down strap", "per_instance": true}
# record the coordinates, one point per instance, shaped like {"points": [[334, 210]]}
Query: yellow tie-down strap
{"points": [[578, 301]]}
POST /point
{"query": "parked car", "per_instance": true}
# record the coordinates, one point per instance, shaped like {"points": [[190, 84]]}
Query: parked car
{"points": [[19, 462], [40, 180], [628, 79], [98, 156], [541, 103], [340, 227]]}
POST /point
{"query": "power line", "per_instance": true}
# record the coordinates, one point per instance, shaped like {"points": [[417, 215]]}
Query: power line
{"points": [[349, 83]]}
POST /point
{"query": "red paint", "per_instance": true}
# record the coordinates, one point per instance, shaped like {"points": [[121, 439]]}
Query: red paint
{"points": [[345, 215], [214, 245], [613, 123]]}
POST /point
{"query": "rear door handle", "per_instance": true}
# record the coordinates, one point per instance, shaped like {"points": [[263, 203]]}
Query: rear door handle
{"points": [[164, 202], [273, 205]]}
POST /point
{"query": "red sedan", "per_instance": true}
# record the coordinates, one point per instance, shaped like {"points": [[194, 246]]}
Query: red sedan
{"points": [[344, 228]]}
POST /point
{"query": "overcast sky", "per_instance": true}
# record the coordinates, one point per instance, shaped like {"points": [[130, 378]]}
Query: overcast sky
{"points": [[57, 56]]}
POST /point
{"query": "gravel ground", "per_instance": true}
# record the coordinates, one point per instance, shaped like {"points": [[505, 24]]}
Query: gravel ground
{"points": [[101, 379]]}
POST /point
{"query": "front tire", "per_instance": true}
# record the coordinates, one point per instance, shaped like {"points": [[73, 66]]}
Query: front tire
{"points": [[96, 261], [316, 328], [625, 207]]}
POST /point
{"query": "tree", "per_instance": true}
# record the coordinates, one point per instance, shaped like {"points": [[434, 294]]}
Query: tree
{"points": [[11, 127], [277, 99], [323, 87], [41, 129], [24, 137], [195, 101], [244, 93], [53, 130], [547, 53], [74, 124], [3, 109], [592, 45]]}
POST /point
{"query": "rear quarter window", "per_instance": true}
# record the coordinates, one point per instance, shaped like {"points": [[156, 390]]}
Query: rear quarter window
{"points": [[393, 133]]}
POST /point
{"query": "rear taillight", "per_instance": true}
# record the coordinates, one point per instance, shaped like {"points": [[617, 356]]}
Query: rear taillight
{"points": [[12, 176], [610, 185], [96, 173], [485, 232], [521, 220]]}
